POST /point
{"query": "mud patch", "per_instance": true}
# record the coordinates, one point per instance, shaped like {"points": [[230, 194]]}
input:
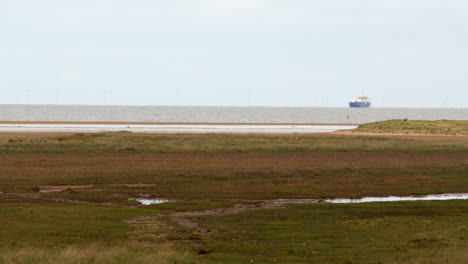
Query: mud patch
{"points": [[59, 188], [136, 185]]}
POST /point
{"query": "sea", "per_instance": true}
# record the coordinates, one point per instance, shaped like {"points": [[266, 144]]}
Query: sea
{"points": [[201, 114]]}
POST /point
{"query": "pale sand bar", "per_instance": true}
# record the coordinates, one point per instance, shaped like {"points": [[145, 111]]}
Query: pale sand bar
{"points": [[22, 127]]}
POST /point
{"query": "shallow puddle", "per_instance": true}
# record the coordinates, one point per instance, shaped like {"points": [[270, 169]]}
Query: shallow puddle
{"points": [[49, 191], [430, 197], [150, 201]]}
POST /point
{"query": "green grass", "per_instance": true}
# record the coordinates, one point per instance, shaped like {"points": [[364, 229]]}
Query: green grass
{"points": [[61, 224], [405, 232], [440, 127]]}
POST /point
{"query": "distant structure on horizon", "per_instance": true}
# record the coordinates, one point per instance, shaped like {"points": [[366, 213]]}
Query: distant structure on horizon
{"points": [[361, 102]]}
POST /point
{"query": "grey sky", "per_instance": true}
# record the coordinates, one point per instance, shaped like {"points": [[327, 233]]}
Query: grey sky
{"points": [[234, 52]]}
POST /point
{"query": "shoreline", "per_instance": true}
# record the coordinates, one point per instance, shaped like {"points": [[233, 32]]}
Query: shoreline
{"points": [[169, 123], [230, 128]]}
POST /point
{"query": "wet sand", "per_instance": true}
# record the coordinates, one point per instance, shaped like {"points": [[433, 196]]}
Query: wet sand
{"points": [[71, 127], [168, 123]]}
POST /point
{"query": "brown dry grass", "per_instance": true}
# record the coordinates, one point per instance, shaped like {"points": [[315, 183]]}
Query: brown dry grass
{"points": [[96, 253], [235, 175]]}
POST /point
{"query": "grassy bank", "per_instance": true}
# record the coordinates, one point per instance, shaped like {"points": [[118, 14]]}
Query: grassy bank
{"points": [[440, 127]]}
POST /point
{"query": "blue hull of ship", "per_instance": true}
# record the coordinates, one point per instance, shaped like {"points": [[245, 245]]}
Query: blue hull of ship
{"points": [[359, 105]]}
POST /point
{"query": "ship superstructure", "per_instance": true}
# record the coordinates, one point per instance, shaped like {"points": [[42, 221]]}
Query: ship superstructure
{"points": [[361, 102]]}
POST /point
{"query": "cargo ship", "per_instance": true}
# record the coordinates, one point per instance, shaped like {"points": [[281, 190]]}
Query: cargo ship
{"points": [[360, 102]]}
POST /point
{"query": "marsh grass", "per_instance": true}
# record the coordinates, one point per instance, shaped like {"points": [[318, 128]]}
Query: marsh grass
{"points": [[407, 232], [123, 142], [201, 170], [197, 166], [59, 224], [213, 184], [234, 175]]}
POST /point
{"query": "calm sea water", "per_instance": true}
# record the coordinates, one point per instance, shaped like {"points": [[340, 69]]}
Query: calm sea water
{"points": [[222, 114]]}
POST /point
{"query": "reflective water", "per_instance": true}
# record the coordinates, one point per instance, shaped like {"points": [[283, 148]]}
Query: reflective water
{"points": [[430, 197], [150, 201], [222, 114], [49, 191], [85, 128]]}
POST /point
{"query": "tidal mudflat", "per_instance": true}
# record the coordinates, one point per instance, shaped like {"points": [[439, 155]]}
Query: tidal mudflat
{"points": [[68, 197]]}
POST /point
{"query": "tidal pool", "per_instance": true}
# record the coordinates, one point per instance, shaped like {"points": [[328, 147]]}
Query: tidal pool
{"points": [[150, 201], [430, 197]]}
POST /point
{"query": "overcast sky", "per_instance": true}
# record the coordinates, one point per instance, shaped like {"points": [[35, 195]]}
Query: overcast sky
{"points": [[410, 53]]}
